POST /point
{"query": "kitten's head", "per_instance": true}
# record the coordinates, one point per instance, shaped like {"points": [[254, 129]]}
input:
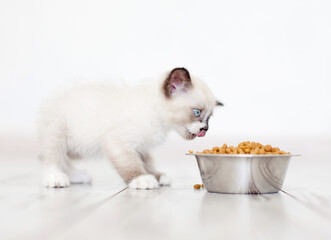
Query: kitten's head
{"points": [[189, 103]]}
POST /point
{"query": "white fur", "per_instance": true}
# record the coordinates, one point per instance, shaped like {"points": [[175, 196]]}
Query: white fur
{"points": [[144, 182], [56, 178], [121, 122]]}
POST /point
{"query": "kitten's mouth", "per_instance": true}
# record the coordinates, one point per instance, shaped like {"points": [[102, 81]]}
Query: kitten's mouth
{"points": [[202, 133], [189, 135]]}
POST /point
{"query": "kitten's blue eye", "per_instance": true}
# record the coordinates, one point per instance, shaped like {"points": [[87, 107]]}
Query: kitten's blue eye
{"points": [[196, 112]]}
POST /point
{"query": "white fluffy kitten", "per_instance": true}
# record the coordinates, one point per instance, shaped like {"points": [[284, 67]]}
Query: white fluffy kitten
{"points": [[123, 123]]}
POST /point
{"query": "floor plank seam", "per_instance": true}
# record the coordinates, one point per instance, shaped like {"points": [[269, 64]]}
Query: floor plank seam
{"points": [[90, 210], [309, 206]]}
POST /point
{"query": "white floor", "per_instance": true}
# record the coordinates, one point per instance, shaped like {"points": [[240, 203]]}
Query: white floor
{"points": [[107, 210]]}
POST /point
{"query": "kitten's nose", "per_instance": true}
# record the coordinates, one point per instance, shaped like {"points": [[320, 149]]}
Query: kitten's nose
{"points": [[202, 132], [204, 128]]}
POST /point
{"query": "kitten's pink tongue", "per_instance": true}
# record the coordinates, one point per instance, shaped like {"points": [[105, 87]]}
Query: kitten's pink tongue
{"points": [[202, 133]]}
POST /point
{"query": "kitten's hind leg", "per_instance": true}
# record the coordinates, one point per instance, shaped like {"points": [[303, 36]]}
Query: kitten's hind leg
{"points": [[54, 154], [58, 176], [55, 177]]}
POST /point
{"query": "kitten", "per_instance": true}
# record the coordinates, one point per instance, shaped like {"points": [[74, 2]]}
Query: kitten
{"points": [[123, 123]]}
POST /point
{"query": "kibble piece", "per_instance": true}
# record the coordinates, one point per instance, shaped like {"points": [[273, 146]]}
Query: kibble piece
{"points": [[247, 150], [267, 148], [253, 151], [275, 149], [216, 149], [197, 186], [222, 151], [228, 150]]}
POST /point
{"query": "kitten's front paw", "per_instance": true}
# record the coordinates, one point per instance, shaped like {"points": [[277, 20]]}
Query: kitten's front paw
{"points": [[55, 178], [144, 182]]}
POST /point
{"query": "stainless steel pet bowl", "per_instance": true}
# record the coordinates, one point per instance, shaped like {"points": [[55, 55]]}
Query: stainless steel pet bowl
{"points": [[243, 173]]}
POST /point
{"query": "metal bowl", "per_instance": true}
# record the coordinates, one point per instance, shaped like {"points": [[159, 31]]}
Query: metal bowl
{"points": [[243, 173]]}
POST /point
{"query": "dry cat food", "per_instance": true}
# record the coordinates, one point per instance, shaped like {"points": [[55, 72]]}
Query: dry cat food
{"points": [[244, 148], [198, 186]]}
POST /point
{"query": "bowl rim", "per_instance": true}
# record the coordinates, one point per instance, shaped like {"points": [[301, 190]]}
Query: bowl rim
{"points": [[243, 155]]}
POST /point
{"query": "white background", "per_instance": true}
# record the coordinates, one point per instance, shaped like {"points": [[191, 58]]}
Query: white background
{"points": [[268, 61]]}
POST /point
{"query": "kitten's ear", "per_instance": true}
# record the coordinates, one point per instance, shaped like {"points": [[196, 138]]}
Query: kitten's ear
{"points": [[179, 80], [218, 103]]}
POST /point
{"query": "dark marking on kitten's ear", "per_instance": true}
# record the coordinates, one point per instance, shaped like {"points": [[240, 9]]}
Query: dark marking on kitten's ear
{"points": [[218, 103], [178, 80]]}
